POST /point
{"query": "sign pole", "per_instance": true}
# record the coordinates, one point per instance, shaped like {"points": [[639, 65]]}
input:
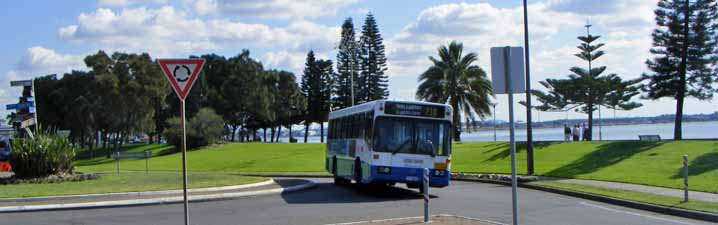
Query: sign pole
{"points": [[34, 99], [181, 73], [184, 164], [507, 71]]}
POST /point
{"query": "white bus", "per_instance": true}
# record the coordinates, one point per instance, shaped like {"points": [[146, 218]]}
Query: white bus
{"points": [[389, 142]]}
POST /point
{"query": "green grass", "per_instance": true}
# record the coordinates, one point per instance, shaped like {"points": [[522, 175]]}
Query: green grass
{"points": [[635, 196], [233, 157], [126, 182], [651, 163]]}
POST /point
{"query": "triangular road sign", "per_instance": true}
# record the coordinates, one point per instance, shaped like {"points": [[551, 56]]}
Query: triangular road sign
{"points": [[182, 73]]}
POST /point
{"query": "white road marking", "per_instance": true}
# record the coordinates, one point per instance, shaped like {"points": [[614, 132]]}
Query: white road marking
{"points": [[634, 214]]}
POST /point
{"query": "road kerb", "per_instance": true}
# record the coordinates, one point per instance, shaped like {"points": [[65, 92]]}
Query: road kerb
{"points": [[154, 201], [135, 193]]}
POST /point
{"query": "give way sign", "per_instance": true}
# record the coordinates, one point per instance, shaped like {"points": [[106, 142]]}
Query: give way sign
{"points": [[181, 73]]}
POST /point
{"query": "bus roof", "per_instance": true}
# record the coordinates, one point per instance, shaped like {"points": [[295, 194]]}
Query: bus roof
{"points": [[373, 105]]}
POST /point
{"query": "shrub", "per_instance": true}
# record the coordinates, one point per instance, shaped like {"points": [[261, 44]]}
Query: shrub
{"points": [[42, 156], [203, 129]]}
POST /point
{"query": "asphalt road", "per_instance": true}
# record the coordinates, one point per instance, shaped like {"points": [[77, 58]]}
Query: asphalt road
{"points": [[327, 204]]}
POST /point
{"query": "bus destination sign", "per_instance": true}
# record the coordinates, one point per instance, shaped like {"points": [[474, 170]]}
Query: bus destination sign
{"points": [[407, 109]]}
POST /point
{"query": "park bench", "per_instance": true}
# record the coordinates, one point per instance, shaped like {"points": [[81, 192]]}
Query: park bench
{"points": [[651, 137], [137, 155]]}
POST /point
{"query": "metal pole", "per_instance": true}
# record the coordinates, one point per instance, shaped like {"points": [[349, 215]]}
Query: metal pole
{"points": [[117, 157], [529, 132], [34, 99], [184, 165], [147, 161], [685, 178], [514, 200], [426, 195], [494, 105]]}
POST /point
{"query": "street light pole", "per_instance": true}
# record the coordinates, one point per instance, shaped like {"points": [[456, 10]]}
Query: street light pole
{"points": [[529, 133]]}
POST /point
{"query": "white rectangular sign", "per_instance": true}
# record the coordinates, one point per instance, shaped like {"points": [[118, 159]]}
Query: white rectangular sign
{"points": [[515, 66]]}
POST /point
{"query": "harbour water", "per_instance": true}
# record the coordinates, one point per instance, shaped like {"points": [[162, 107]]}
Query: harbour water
{"points": [[691, 130]]}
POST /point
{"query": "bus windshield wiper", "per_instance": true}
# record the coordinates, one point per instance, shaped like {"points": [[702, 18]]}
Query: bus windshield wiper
{"points": [[400, 146]]}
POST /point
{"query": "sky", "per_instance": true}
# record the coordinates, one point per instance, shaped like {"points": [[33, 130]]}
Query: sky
{"points": [[46, 37]]}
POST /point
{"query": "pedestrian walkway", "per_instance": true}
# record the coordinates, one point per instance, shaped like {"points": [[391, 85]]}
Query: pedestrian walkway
{"points": [[697, 195]]}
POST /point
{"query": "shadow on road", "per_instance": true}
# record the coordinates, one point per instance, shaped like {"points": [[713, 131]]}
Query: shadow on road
{"points": [[325, 193]]}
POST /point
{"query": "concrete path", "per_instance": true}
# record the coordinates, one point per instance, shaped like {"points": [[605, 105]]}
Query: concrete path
{"points": [[697, 195]]}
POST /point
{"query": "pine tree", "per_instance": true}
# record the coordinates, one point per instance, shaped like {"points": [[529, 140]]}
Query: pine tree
{"points": [[345, 79], [325, 75], [307, 88], [586, 88], [684, 48], [373, 82]]}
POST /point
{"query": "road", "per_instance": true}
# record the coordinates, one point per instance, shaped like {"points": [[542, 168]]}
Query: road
{"points": [[327, 204]]}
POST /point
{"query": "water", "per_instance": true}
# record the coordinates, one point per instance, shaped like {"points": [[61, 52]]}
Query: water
{"points": [[700, 130], [617, 132]]}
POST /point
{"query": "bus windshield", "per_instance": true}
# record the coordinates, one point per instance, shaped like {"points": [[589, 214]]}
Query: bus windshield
{"points": [[411, 136]]}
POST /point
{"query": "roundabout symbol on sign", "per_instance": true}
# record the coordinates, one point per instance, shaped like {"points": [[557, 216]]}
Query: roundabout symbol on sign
{"points": [[182, 76]]}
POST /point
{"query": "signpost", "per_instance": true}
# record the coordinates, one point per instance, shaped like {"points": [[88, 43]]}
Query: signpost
{"points": [[507, 77], [182, 73]]}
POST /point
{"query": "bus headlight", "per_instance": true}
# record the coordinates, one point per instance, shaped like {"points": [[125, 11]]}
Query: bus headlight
{"points": [[439, 173], [384, 170]]}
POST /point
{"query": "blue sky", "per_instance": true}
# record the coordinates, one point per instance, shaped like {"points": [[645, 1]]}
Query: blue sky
{"points": [[44, 37]]}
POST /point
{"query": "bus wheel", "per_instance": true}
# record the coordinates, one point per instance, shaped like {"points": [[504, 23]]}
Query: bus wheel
{"points": [[357, 171]]}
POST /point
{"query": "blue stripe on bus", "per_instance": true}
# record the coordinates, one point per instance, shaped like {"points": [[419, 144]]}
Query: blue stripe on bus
{"points": [[409, 176]]}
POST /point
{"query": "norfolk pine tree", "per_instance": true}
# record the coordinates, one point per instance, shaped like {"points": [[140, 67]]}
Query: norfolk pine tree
{"points": [[684, 49], [347, 68], [373, 82]]}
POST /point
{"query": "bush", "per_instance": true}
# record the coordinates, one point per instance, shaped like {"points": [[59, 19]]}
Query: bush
{"points": [[42, 156], [203, 129]]}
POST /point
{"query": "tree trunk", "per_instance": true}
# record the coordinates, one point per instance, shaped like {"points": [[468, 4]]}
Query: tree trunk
{"points": [[456, 119], [279, 132], [264, 138], [680, 96], [290, 133], [273, 132], [321, 132], [589, 136], [306, 131]]}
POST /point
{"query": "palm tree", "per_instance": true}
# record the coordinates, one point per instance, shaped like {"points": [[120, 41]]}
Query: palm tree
{"points": [[453, 80]]}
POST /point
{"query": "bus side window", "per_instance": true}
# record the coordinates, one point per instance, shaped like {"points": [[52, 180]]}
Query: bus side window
{"points": [[342, 129], [370, 126], [353, 128], [331, 131]]}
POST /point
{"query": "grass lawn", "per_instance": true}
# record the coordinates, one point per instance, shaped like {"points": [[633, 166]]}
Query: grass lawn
{"points": [[233, 157], [635, 196], [126, 182], [651, 163]]}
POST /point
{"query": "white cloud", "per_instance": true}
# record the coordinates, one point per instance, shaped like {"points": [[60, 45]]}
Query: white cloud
{"points": [[271, 9], [167, 31]]}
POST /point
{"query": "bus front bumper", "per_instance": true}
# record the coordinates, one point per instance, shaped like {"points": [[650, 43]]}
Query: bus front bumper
{"points": [[406, 175]]}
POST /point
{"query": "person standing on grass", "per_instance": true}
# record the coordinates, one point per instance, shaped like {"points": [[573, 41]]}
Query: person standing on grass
{"points": [[575, 132], [566, 133], [584, 132]]}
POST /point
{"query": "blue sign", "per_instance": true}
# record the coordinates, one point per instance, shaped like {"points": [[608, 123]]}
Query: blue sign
{"points": [[19, 105]]}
